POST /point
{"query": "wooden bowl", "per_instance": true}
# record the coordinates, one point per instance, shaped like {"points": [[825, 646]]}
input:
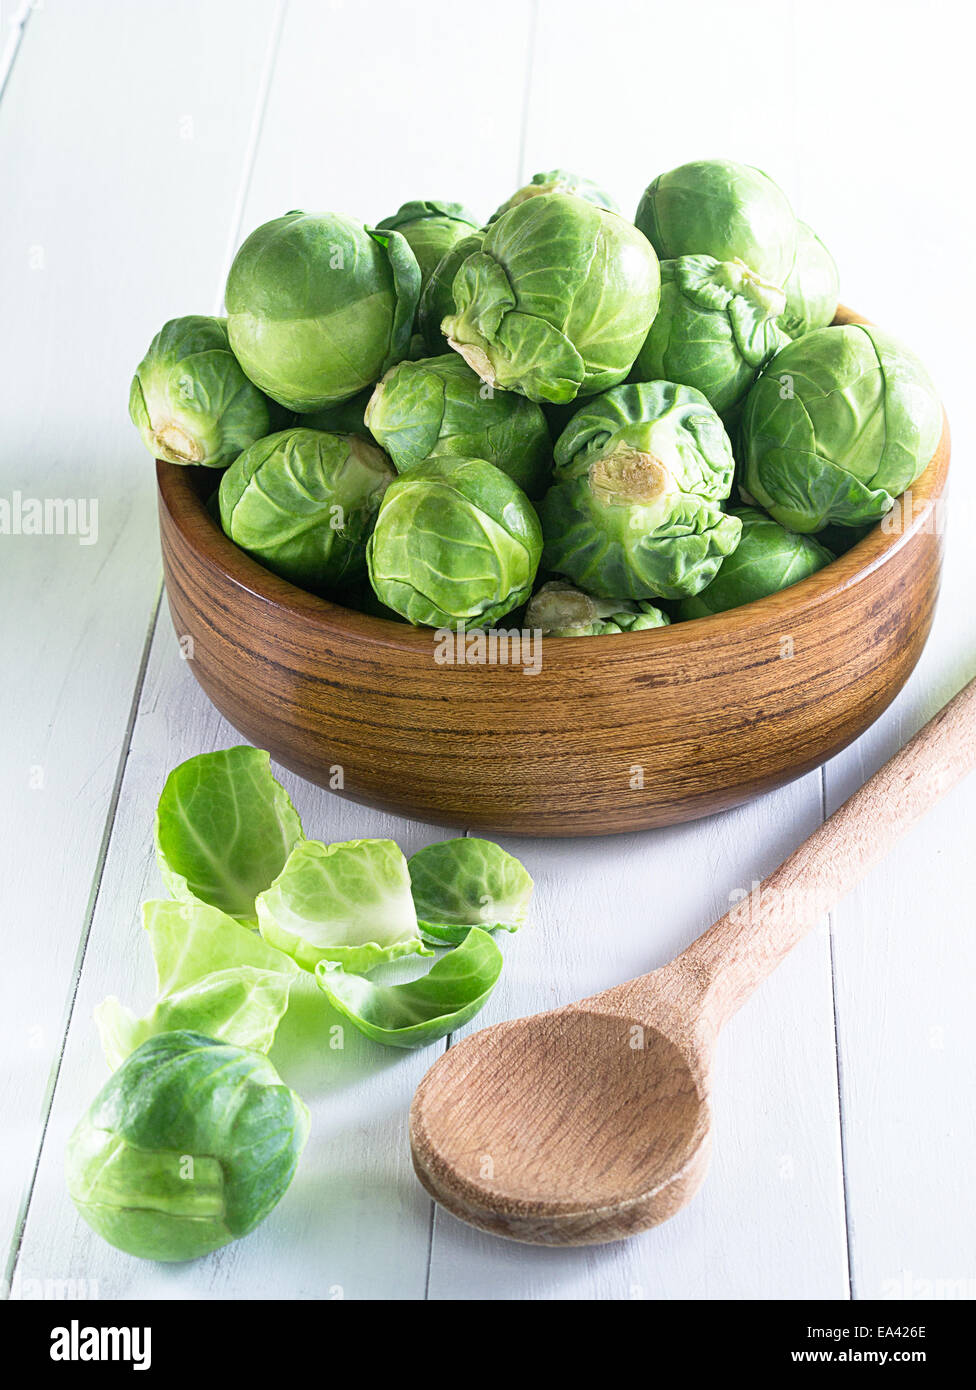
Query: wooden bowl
{"points": [[612, 734]]}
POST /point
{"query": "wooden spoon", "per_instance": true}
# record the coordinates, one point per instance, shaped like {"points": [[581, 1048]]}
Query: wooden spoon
{"points": [[591, 1122]]}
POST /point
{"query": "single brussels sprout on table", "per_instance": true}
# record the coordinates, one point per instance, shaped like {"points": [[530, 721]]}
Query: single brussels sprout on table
{"points": [[348, 902], [456, 543], [635, 512], [768, 558], [558, 181], [190, 399], [437, 298], [421, 1011], [812, 287], [559, 609], [431, 229], [558, 301], [439, 407], [302, 503], [715, 329], [224, 829], [839, 423], [716, 207], [319, 306], [214, 977], [467, 882], [188, 1146]]}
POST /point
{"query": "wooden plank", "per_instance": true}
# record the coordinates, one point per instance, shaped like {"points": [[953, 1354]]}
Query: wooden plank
{"points": [[126, 166]]}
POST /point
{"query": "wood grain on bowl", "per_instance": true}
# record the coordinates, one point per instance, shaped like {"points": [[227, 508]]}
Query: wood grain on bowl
{"points": [[610, 734]]}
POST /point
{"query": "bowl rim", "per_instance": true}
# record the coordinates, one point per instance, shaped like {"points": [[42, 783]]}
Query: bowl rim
{"points": [[180, 496]]}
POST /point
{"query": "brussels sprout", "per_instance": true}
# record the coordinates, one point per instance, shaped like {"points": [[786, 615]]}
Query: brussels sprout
{"points": [[714, 330], [188, 1146], [421, 1012], [224, 829], [635, 511], [715, 207], [302, 502], [213, 977], [344, 418], [812, 286], [190, 399], [559, 609], [558, 301], [319, 306], [430, 229], [467, 882], [456, 543], [439, 407], [768, 558], [839, 423], [348, 902], [558, 181], [437, 299]]}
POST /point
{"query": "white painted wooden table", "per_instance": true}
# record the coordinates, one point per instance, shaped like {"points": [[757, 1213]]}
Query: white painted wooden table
{"points": [[138, 144]]}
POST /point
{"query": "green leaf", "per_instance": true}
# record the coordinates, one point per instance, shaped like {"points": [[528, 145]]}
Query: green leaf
{"points": [[224, 828], [467, 882], [418, 1013], [348, 902]]}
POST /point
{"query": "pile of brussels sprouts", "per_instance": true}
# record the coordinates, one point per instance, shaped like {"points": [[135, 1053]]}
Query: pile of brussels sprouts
{"points": [[560, 418], [195, 1138]]}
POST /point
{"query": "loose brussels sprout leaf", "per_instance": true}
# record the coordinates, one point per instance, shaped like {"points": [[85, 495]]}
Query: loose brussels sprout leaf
{"points": [[213, 977], [456, 543], [635, 511], [768, 558], [188, 1146], [303, 502], [716, 207], [347, 902], [418, 1013], [319, 306], [715, 329], [837, 426], [465, 883], [437, 299], [224, 828], [438, 407], [559, 609], [431, 229], [558, 301], [190, 399], [558, 181], [344, 418], [812, 286]]}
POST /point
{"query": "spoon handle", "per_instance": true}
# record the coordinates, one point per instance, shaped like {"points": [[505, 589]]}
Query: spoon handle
{"points": [[743, 947]]}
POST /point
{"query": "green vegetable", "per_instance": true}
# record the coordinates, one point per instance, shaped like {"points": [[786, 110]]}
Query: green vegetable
{"points": [[456, 543], [715, 329], [224, 828], [319, 306], [188, 1146], [838, 425], [559, 609], [190, 400], [437, 299], [715, 207], [347, 902], [558, 301], [635, 512], [418, 1013], [812, 286], [303, 502], [768, 558], [558, 181], [465, 883], [438, 407], [213, 977], [344, 418], [431, 229]]}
